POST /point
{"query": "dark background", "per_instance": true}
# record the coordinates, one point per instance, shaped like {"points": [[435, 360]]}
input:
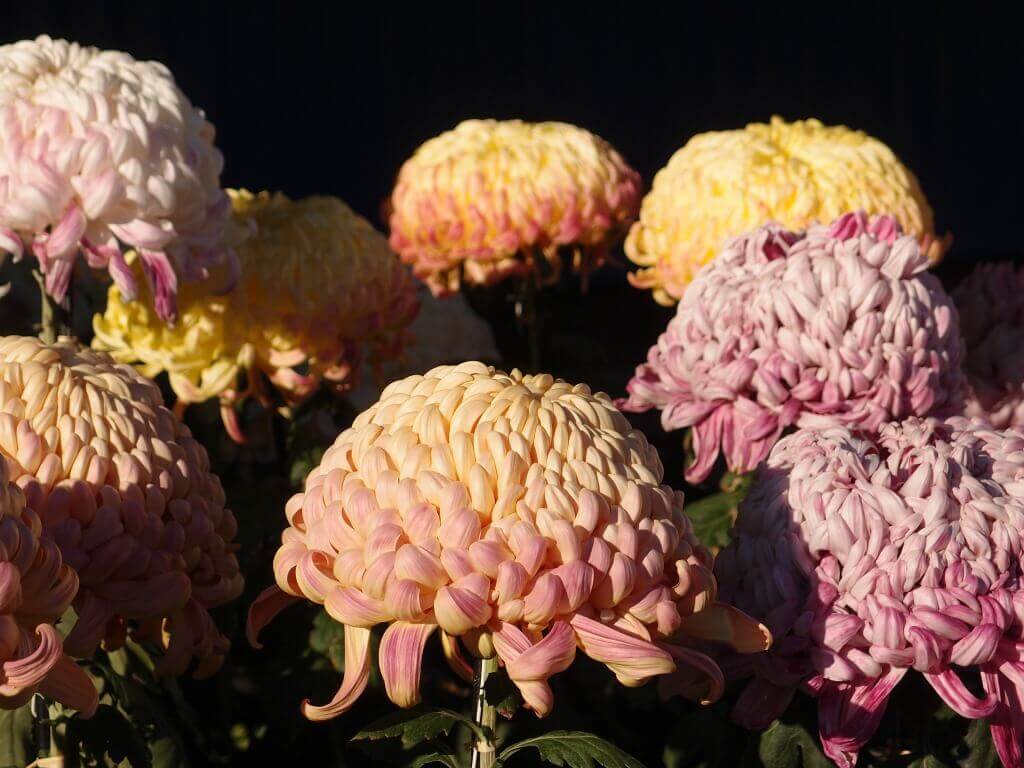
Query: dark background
{"points": [[332, 97]]}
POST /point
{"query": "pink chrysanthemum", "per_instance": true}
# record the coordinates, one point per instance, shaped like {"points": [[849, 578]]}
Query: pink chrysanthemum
{"points": [[869, 557], [35, 589], [836, 325], [101, 153], [519, 516], [991, 305], [126, 493]]}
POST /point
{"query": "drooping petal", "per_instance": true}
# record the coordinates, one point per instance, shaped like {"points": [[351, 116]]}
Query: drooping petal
{"points": [[951, 688], [401, 654], [722, 623], [631, 659], [850, 714], [71, 686], [357, 674], [263, 610]]}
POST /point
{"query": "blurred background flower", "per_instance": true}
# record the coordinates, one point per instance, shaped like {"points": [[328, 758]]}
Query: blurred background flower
{"points": [[869, 557], [519, 516], [991, 305], [100, 153], [127, 495], [840, 324], [320, 296], [36, 587], [723, 183], [497, 198]]}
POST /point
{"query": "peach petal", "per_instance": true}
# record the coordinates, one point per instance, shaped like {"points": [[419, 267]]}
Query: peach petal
{"points": [[401, 655], [357, 674]]}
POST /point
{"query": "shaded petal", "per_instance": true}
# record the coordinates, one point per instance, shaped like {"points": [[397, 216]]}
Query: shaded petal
{"points": [[632, 659], [70, 685], [29, 671], [722, 623], [951, 688], [357, 674], [263, 610], [401, 656], [849, 715]]}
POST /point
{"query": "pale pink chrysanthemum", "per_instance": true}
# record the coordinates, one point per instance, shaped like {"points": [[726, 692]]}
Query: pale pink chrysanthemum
{"points": [[519, 516], [100, 153], [991, 305], [836, 325], [870, 556], [126, 493], [36, 587]]}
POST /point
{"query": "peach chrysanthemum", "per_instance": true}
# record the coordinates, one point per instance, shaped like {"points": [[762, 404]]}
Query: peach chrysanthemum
{"points": [[126, 493], [36, 587], [320, 292], [722, 183], [517, 515], [100, 153], [494, 198]]}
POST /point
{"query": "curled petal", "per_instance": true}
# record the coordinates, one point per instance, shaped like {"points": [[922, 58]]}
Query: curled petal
{"points": [[459, 610], [631, 659], [263, 610], [850, 714], [722, 623], [357, 674], [401, 654], [71, 686], [953, 691]]}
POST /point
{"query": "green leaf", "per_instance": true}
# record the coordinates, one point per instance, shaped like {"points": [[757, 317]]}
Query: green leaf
{"points": [[928, 761], [415, 726], [712, 518], [982, 750], [786, 745], [438, 758], [502, 694], [16, 747], [107, 735], [573, 749]]}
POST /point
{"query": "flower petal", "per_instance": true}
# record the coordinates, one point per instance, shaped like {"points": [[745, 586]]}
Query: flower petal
{"points": [[631, 659], [70, 685], [357, 674], [401, 655], [722, 623], [849, 715], [263, 610], [951, 688]]}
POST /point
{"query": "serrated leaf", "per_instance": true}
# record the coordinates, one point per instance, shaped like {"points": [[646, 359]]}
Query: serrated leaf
{"points": [[415, 726], [982, 750], [712, 518], [786, 745], [434, 758], [573, 749]]}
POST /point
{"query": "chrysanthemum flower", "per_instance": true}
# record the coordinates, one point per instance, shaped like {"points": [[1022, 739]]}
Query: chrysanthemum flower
{"points": [[991, 305], [35, 589], [723, 183], [872, 557], [516, 515], [100, 153], [495, 198], [836, 325], [127, 495], [320, 292]]}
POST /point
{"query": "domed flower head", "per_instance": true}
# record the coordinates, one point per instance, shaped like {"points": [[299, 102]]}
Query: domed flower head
{"points": [[873, 557], [100, 153], [836, 325], [319, 293], [991, 305], [495, 198], [36, 587], [723, 183], [516, 515], [127, 495]]}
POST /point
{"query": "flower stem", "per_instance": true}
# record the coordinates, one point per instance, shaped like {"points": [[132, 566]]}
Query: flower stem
{"points": [[53, 318], [485, 715], [41, 716]]}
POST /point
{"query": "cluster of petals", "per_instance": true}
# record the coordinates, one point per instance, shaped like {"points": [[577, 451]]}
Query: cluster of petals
{"points": [[990, 301], [100, 153], [126, 494], [840, 324], [497, 198], [519, 516], [871, 556], [723, 183], [319, 293], [36, 587]]}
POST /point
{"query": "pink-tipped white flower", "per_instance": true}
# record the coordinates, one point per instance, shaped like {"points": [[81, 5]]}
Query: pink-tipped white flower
{"points": [[991, 305], [836, 325], [127, 495], [871, 557], [36, 587], [100, 153], [513, 515]]}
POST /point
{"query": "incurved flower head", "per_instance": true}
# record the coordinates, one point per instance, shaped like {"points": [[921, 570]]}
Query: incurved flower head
{"points": [[126, 493], [836, 325], [36, 587], [991, 305], [519, 515], [319, 291], [494, 198], [723, 183], [869, 557], [101, 153]]}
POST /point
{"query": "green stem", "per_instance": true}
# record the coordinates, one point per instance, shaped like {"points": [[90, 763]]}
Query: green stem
{"points": [[43, 734], [485, 715], [54, 319]]}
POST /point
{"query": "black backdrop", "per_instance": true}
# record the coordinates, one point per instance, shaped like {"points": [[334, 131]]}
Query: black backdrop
{"points": [[331, 97]]}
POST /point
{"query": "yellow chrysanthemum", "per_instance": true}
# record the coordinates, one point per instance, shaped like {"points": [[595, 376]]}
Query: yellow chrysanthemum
{"points": [[724, 183], [320, 291], [494, 198]]}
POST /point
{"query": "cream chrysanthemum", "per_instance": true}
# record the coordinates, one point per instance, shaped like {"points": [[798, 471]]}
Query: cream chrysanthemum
{"points": [[494, 198], [723, 183], [126, 493], [519, 515], [100, 153], [320, 291]]}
